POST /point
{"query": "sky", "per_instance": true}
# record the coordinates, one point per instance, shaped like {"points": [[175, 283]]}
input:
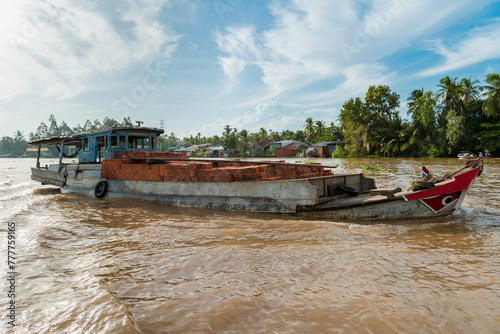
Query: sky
{"points": [[196, 66]]}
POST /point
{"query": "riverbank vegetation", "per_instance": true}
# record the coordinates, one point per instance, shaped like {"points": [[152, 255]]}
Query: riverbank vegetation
{"points": [[459, 115]]}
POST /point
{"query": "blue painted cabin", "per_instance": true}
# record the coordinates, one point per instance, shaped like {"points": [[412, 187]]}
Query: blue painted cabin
{"points": [[112, 142]]}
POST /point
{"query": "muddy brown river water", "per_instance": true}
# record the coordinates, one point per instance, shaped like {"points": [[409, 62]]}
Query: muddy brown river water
{"points": [[85, 265]]}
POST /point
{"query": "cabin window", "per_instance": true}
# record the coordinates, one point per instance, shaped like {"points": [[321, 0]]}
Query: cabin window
{"points": [[113, 142], [122, 143], [139, 142], [131, 141], [100, 142], [86, 146]]}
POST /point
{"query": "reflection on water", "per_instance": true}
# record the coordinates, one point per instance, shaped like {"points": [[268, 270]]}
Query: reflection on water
{"points": [[129, 266]]}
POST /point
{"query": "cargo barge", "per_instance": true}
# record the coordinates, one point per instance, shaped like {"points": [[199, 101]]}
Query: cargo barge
{"points": [[123, 162]]}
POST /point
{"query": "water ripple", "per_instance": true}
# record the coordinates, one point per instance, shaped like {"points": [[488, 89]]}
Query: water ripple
{"points": [[127, 266]]}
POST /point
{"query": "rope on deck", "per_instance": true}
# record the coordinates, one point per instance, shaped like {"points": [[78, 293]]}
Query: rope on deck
{"points": [[430, 180]]}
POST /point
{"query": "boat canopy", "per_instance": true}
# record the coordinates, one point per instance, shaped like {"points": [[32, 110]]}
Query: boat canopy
{"points": [[54, 140]]}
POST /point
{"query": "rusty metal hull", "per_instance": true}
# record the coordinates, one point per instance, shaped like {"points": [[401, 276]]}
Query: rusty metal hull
{"points": [[53, 177], [265, 196], [313, 197]]}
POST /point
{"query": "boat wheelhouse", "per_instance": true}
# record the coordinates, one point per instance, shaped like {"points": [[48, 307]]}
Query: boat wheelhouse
{"points": [[111, 143]]}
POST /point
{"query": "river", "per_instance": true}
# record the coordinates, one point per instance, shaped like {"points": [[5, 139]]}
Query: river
{"points": [[86, 265]]}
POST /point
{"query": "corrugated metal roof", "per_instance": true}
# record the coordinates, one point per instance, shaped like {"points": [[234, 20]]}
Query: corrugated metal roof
{"points": [[266, 142], [325, 143], [295, 144], [54, 140]]}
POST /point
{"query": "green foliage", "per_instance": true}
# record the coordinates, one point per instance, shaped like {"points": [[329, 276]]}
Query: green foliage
{"points": [[491, 105], [455, 130], [375, 169], [56, 130], [339, 152], [306, 161], [381, 100], [13, 146], [489, 137], [354, 119], [309, 131], [374, 126], [426, 136]]}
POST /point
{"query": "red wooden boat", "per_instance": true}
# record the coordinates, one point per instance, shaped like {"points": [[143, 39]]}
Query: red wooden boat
{"points": [[442, 197]]}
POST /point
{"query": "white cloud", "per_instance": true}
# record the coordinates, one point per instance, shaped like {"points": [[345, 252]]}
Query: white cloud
{"points": [[328, 111], [53, 47], [479, 45], [232, 66], [272, 115], [315, 41], [356, 81]]}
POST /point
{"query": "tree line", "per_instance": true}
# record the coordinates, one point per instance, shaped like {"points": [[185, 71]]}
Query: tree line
{"points": [[459, 115]]}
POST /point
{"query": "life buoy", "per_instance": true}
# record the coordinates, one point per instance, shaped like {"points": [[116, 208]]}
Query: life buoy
{"points": [[100, 189], [351, 191]]}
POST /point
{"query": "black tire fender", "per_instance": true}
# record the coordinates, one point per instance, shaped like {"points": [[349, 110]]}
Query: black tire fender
{"points": [[351, 191], [101, 189]]}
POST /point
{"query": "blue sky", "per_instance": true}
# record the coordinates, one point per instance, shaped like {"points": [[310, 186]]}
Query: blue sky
{"points": [[200, 65]]}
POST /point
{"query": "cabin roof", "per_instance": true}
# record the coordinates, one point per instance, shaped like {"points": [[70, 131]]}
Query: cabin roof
{"points": [[74, 138], [121, 128], [54, 140]]}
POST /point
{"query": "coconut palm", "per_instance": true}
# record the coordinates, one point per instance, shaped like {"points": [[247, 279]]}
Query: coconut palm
{"points": [[469, 90], [262, 134], [449, 92], [243, 142], [275, 135], [415, 95], [400, 133], [319, 129], [309, 130], [491, 105]]}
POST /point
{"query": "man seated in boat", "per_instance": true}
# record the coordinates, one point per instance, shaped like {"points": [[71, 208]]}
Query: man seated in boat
{"points": [[122, 144]]}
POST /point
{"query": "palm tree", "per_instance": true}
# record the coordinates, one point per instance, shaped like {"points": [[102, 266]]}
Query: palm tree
{"points": [[263, 134], [275, 135], [227, 131], [491, 105], [309, 130], [469, 90], [18, 136], [229, 140], [243, 142], [319, 129], [449, 91], [399, 135], [414, 96]]}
